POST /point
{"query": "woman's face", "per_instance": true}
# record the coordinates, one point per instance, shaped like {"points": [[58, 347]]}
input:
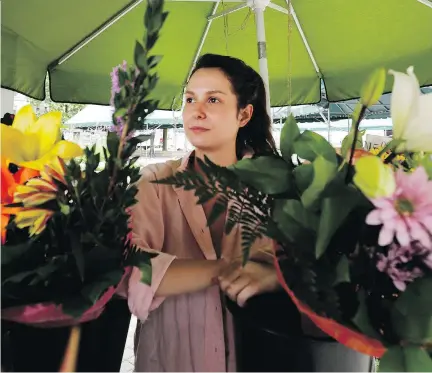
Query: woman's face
{"points": [[210, 115]]}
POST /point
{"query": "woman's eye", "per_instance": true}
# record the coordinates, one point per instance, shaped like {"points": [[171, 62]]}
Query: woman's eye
{"points": [[213, 100], [189, 100]]}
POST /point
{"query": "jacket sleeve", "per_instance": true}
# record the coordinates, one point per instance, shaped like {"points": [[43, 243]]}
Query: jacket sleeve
{"points": [[147, 234]]}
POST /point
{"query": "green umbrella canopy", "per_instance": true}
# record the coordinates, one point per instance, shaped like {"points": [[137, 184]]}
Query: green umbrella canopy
{"points": [[347, 40]]}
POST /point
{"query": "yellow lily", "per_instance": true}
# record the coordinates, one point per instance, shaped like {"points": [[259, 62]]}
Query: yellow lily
{"points": [[374, 178], [31, 142]]}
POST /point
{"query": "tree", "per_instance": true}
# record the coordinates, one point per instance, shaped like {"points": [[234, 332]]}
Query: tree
{"points": [[67, 110]]}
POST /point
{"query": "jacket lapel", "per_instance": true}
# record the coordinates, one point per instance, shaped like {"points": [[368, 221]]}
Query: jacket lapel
{"points": [[195, 216]]}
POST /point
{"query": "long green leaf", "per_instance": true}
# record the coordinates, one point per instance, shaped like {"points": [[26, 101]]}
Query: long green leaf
{"points": [[94, 290], [412, 312], [309, 145], [405, 359], [289, 134], [11, 252], [324, 172], [334, 211], [268, 174]]}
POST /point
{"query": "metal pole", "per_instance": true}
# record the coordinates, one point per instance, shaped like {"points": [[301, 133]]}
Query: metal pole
{"points": [[262, 50]]}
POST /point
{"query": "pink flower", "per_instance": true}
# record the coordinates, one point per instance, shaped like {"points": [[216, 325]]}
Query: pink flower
{"points": [[115, 83], [407, 214], [398, 264]]}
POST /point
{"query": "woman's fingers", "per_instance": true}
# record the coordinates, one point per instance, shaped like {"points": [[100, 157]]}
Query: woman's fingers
{"points": [[247, 292], [237, 286], [229, 275]]}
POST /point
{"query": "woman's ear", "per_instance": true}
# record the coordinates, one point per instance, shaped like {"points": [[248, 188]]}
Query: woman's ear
{"points": [[246, 115]]}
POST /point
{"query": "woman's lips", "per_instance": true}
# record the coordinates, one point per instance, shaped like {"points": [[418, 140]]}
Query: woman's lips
{"points": [[199, 129]]}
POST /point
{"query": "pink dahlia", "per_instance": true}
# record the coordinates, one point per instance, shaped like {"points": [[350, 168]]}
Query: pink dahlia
{"points": [[407, 214]]}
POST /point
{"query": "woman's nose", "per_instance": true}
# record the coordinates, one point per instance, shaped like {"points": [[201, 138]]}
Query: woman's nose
{"points": [[199, 111]]}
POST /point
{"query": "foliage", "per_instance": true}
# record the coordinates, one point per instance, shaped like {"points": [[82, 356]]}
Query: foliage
{"points": [[82, 247], [331, 257]]}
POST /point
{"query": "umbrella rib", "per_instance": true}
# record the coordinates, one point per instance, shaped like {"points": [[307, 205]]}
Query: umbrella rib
{"points": [[201, 44], [94, 34], [426, 2], [303, 36]]}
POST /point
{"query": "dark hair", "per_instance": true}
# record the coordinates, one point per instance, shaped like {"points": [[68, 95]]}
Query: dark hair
{"points": [[249, 88]]}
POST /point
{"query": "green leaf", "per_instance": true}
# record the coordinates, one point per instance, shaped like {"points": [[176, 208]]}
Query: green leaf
{"points": [[146, 273], [309, 145], [373, 89], [412, 312], [303, 176], [334, 211], [426, 162], [77, 252], [75, 306], [361, 318], [296, 211], [142, 260], [120, 112], [94, 291], [348, 140], [342, 271], [324, 172], [11, 252], [287, 225], [39, 273], [268, 174], [289, 134], [154, 60], [112, 143], [405, 359], [219, 208], [140, 57]]}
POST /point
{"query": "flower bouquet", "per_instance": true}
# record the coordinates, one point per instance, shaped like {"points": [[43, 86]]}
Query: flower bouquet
{"points": [[352, 231], [65, 211]]}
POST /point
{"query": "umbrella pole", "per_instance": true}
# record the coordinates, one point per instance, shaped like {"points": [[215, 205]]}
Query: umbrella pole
{"points": [[259, 7]]}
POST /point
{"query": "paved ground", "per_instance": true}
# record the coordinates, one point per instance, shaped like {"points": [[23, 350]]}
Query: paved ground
{"points": [[128, 355]]}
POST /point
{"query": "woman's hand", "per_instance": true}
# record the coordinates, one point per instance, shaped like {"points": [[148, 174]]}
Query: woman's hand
{"points": [[241, 283]]}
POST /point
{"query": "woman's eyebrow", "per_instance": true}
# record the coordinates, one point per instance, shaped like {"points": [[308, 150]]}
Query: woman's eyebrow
{"points": [[212, 92]]}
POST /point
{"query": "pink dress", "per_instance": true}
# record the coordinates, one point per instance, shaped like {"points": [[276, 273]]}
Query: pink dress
{"points": [[185, 332]]}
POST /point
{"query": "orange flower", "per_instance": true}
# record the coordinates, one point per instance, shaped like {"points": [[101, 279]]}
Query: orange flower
{"points": [[358, 153], [9, 184]]}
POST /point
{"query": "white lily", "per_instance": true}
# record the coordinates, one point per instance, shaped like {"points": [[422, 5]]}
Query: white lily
{"points": [[411, 113]]}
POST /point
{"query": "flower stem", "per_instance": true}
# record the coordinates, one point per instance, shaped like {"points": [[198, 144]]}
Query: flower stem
{"points": [[353, 145], [118, 158]]}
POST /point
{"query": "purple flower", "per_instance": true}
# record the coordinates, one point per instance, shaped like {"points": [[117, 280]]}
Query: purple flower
{"points": [[398, 263], [115, 82]]}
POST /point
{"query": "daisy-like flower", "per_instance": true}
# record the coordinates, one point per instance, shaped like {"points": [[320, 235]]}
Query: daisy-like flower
{"points": [[33, 218], [406, 213], [9, 184], [35, 193]]}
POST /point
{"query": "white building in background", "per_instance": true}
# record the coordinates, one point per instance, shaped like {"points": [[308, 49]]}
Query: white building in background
{"points": [[20, 101], [177, 139]]}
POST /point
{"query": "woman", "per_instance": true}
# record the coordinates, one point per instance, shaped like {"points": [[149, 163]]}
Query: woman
{"points": [[184, 325]]}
